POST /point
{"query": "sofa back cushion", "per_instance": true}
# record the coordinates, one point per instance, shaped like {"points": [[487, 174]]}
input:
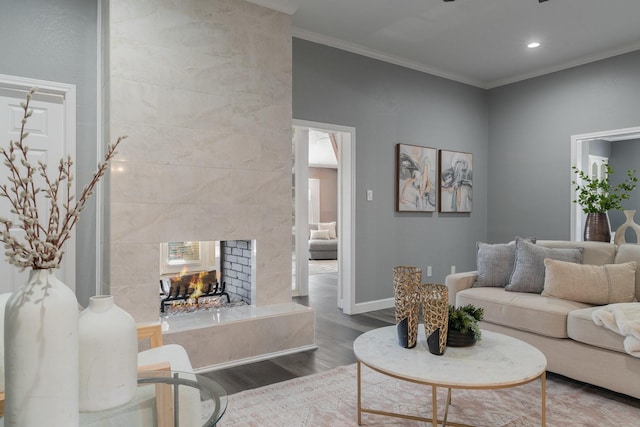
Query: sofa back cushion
{"points": [[626, 253], [589, 283], [494, 263], [330, 227], [598, 253], [528, 270], [319, 235]]}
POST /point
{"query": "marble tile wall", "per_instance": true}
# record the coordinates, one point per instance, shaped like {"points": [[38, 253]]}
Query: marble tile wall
{"points": [[203, 90]]}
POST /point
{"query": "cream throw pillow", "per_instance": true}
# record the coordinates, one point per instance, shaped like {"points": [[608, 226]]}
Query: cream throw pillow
{"points": [[590, 284], [329, 226], [319, 234]]}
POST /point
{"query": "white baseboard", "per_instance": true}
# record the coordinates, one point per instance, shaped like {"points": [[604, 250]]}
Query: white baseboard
{"points": [[254, 359], [365, 307]]}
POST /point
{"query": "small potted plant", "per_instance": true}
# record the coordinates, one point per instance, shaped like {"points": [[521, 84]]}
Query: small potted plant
{"points": [[463, 327], [597, 196]]}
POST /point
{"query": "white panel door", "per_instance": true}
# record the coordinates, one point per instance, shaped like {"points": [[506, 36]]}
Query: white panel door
{"points": [[46, 144]]}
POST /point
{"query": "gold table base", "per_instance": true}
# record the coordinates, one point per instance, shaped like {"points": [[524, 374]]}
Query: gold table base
{"points": [[434, 400]]}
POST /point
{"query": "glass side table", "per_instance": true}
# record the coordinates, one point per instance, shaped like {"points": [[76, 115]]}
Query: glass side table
{"points": [[166, 399]]}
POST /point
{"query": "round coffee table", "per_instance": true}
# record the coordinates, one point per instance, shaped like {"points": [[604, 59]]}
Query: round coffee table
{"points": [[496, 361]]}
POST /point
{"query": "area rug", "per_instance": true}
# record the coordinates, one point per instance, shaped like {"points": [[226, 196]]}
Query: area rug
{"points": [[330, 399]]}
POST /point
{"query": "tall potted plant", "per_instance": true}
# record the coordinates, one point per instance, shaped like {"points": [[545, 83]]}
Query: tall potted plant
{"points": [[41, 318], [597, 197]]}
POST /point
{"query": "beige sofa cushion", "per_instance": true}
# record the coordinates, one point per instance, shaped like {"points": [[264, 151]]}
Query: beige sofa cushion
{"points": [[525, 311], [580, 327], [626, 253], [597, 253], [330, 227], [319, 235], [591, 284]]}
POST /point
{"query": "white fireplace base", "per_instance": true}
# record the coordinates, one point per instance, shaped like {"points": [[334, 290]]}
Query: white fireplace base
{"points": [[237, 335]]}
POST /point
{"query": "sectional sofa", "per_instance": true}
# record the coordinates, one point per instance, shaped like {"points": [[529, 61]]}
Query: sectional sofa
{"points": [[323, 241], [555, 315]]}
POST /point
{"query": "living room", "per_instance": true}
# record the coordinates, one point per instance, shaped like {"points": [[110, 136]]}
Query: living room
{"points": [[519, 134]]}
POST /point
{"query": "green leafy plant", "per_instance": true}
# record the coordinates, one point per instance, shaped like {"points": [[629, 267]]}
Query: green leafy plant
{"points": [[597, 196], [465, 319]]}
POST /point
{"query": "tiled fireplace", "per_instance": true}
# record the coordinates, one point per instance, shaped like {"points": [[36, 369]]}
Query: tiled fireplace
{"points": [[203, 90]]}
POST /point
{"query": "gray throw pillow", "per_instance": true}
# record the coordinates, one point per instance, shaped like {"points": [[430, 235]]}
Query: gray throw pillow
{"points": [[495, 263], [528, 271]]}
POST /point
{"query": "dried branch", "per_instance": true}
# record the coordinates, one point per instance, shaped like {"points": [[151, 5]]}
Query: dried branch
{"points": [[42, 245]]}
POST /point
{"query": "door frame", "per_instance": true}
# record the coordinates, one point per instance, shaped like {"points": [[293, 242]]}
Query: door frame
{"points": [[579, 147], [68, 94], [346, 213]]}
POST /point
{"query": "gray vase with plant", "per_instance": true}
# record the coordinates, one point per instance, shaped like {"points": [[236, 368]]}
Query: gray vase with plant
{"points": [[596, 197]]}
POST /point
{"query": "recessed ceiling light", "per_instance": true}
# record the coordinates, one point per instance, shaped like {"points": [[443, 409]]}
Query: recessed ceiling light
{"points": [[533, 45]]}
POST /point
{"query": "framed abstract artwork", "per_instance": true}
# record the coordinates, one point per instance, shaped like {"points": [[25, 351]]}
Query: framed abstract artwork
{"points": [[455, 181], [416, 178]]}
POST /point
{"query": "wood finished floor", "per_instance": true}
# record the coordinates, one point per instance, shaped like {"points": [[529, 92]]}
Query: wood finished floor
{"points": [[335, 333]]}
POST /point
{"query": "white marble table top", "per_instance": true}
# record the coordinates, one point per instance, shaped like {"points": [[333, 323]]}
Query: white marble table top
{"points": [[495, 361]]}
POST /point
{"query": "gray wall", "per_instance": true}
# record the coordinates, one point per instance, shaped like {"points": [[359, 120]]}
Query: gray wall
{"points": [[597, 147], [388, 105], [56, 40], [530, 126], [328, 178]]}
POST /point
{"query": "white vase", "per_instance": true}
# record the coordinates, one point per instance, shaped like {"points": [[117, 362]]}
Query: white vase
{"points": [[3, 303], [108, 355], [619, 238], [41, 353]]}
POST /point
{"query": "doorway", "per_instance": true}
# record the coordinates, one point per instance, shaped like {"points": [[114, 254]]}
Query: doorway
{"points": [[344, 138], [582, 147], [51, 138]]}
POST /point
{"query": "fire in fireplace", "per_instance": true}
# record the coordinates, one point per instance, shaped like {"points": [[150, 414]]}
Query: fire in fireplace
{"points": [[202, 273], [191, 287]]}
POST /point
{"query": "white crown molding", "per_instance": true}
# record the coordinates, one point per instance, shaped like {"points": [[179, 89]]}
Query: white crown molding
{"points": [[285, 6], [371, 53], [576, 63], [375, 54]]}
